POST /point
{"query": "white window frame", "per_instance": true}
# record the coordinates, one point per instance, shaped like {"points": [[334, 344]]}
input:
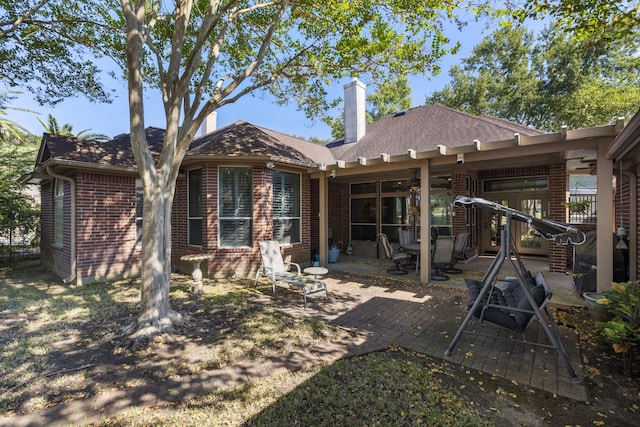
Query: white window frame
{"points": [[139, 211], [192, 220], [287, 192], [233, 198], [58, 212]]}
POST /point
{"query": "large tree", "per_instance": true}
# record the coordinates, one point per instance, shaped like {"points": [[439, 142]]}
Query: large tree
{"points": [[602, 20], [48, 47], [546, 82], [18, 211], [203, 55]]}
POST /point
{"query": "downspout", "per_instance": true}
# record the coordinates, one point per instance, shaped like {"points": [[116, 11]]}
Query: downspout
{"points": [[72, 183]]}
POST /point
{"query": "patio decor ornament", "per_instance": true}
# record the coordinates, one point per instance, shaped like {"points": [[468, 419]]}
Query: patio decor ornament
{"points": [[196, 274]]}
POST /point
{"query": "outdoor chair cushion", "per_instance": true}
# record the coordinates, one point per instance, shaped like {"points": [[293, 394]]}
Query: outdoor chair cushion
{"points": [[511, 296]]}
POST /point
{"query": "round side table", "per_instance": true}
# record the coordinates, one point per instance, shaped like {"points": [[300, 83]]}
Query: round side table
{"points": [[316, 271]]}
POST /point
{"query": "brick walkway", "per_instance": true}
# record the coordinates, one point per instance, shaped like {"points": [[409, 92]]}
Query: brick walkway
{"points": [[423, 320]]}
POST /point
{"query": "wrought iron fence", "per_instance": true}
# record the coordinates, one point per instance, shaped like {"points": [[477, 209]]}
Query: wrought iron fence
{"points": [[16, 245], [582, 208]]}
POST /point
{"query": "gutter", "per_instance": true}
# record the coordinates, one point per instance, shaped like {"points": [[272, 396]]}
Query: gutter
{"points": [[74, 268]]}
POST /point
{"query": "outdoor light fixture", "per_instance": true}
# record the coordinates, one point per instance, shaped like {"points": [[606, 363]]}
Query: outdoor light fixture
{"points": [[333, 173]]}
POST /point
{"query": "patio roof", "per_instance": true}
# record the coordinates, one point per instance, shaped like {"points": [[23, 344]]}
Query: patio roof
{"points": [[577, 147]]}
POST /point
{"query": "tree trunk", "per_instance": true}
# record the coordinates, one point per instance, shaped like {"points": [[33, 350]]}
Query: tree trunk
{"points": [[158, 180], [156, 315]]}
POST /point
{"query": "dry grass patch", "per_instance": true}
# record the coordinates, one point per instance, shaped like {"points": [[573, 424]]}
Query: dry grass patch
{"points": [[61, 342]]}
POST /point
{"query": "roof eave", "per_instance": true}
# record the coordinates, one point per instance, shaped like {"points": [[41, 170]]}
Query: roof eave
{"points": [[452, 153]]}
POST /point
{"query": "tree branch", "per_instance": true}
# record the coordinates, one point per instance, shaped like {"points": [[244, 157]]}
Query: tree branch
{"points": [[22, 18]]}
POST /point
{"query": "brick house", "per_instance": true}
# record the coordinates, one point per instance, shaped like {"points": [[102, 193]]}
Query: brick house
{"points": [[242, 184]]}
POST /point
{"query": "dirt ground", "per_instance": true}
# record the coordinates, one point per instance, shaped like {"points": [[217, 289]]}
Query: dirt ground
{"points": [[614, 395]]}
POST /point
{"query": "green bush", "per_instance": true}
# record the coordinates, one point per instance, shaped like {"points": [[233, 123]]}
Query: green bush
{"points": [[623, 331]]}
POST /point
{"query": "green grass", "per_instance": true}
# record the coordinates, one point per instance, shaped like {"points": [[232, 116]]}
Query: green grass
{"points": [[47, 327], [382, 389]]}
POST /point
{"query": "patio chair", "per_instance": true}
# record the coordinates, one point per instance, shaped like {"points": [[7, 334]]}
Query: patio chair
{"points": [[459, 253], [275, 268], [441, 257], [396, 257]]}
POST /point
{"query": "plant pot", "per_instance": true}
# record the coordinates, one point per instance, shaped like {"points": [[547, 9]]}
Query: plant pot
{"points": [[597, 312], [333, 255]]}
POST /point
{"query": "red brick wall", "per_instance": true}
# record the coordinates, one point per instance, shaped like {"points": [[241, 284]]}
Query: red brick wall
{"points": [[339, 209], [558, 255], [314, 218], [465, 220], [106, 229]]}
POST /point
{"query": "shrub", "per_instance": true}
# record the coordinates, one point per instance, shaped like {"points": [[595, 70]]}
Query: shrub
{"points": [[623, 331]]}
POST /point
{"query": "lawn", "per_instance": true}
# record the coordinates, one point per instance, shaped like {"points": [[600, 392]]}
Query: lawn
{"points": [[60, 343]]}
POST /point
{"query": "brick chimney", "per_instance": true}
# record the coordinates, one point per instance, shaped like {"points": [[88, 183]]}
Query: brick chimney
{"points": [[354, 112], [209, 124]]}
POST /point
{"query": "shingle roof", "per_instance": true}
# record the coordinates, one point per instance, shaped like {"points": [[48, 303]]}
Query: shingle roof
{"points": [[116, 152], [245, 139], [423, 129], [238, 139]]}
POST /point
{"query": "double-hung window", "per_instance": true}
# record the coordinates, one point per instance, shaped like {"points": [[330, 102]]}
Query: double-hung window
{"points": [[235, 207], [195, 207], [286, 207], [58, 212], [139, 211]]}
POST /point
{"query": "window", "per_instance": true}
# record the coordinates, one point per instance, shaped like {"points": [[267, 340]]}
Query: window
{"points": [[441, 214], [532, 183], [363, 211], [139, 204], [195, 207], [235, 207], [286, 207], [58, 212], [394, 215]]}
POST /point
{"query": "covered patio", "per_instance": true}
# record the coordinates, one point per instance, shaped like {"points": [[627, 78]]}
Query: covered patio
{"points": [[356, 194]]}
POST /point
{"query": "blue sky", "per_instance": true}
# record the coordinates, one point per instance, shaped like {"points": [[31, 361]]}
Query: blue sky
{"points": [[112, 119]]}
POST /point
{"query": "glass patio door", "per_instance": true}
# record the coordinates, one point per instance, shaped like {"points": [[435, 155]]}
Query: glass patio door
{"points": [[527, 240]]}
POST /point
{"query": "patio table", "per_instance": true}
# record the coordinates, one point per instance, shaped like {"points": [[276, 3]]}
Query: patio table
{"points": [[414, 247]]}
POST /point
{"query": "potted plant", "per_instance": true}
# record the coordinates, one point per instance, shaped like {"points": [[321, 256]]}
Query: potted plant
{"points": [[577, 206], [623, 331]]}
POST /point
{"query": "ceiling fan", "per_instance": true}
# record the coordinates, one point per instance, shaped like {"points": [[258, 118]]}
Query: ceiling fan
{"points": [[412, 184]]}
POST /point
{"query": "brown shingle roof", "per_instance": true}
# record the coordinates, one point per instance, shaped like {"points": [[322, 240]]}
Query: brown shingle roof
{"points": [[245, 139], [423, 129], [238, 139]]}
